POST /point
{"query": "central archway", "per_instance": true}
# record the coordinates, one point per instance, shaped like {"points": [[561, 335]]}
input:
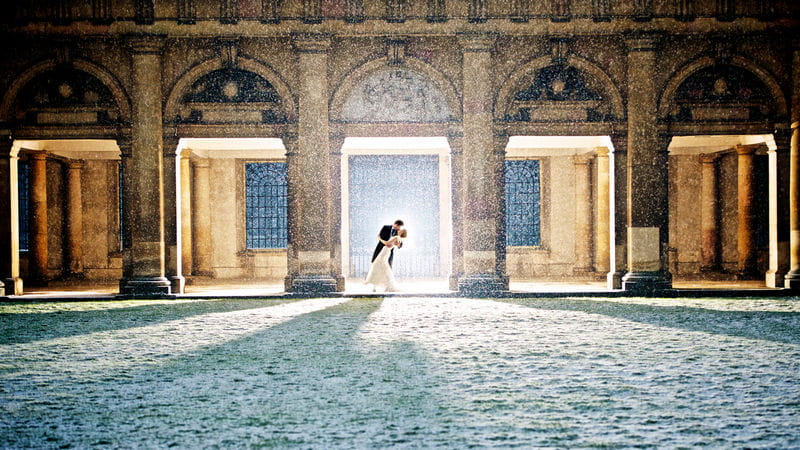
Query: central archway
{"points": [[387, 178]]}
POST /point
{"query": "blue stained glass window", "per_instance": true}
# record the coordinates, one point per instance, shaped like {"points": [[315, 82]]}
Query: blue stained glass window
{"points": [[523, 225], [24, 173], [266, 205]]}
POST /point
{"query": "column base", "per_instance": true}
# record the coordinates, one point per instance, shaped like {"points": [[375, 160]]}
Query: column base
{"points": [[452, 281], [646, 283], [177, 284], [482, 284], [12, 286], [614, 280], [144, 287], [792, 280], [312, 284], [774, 279]]}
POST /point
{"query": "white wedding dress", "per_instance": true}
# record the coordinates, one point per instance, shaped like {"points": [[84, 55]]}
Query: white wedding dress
{"points": [[380, 273]]}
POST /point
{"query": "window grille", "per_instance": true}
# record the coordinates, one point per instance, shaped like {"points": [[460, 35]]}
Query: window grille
{"points": [[523, 227], [266, 205], [23, 193]]}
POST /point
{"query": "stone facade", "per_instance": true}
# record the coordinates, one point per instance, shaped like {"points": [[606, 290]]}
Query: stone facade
{"points": [[666, 134]]}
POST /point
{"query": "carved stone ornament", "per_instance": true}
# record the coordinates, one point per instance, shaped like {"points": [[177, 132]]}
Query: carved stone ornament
{"points": [[396, 95]]}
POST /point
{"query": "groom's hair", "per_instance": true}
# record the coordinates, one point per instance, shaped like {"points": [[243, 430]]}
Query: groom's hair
{"points": [[398, 222]]}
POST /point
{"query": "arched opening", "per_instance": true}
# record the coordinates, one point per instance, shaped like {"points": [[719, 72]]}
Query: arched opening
{"points": [[389, 178], [559, 211]]}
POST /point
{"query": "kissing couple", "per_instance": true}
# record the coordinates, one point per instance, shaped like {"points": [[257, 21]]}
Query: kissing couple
{"points": [[380, 272]]}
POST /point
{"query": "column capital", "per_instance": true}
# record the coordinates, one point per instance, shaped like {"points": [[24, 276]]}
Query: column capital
{"points": [[125, 144], [186, 153], [169, 143], [146, 43], [476, 41], [602, 152], [582, 159], [749, 149], [311, 42], [709, 158], [38, 155], [75, 164], [200, 163]]}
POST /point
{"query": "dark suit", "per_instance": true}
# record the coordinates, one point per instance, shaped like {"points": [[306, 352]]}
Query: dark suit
{"points": [[386, 233]]}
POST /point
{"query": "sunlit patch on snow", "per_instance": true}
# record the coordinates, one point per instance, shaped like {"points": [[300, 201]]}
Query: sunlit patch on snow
{"points": [[95, 353]]}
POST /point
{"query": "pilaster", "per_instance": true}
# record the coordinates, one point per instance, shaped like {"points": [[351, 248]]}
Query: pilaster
{"points": [[186, 212], [201, 217], [456, 142], [619, 212], [602, 229], [336, 142], [778, 166], [10, 281], [143, 175], [583, 213], [482, 263], [312, 246], [648, 207], [793, 277], [173, 261]]}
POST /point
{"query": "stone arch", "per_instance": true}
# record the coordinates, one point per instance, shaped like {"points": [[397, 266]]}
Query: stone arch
{"points": [[505, 97], [98, 72], [420, 71], [667, 100], [184, 82]]}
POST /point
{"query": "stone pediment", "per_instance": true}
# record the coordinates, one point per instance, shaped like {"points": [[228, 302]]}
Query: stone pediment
{"points": [[721, 92], [66, 96], [230, 95]]}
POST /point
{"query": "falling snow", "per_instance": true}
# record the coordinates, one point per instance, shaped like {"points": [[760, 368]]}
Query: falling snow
{"points": [[401, 372]]}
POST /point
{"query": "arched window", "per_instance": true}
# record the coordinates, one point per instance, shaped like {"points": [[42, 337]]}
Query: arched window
{"points": [[522, 203], [24, 173], [266, 205]]}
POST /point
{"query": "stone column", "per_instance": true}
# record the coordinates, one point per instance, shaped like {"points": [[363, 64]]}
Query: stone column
{"points": [[745, 238], [481, 208], [186, 212], [602, 229], [709, 213], [648, 209], [143, 173], [793, 277], [619, 212], [201, 217], [455, 140], [583, 213], [173, 261], [313, 244], [778, 160], [74, 220], [37, 241], [10, 282]]}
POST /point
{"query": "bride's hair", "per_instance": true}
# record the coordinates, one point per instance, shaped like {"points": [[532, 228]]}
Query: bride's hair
{"points": [[402, 233]]}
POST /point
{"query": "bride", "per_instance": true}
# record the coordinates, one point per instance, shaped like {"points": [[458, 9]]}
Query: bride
{"points": [[380, 273]]}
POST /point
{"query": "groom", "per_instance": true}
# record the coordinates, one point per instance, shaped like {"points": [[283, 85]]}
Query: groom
{"points": [[385, 234]]}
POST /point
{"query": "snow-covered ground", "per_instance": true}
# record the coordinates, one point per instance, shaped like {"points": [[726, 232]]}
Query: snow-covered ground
{"points": [[401, 372]]}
